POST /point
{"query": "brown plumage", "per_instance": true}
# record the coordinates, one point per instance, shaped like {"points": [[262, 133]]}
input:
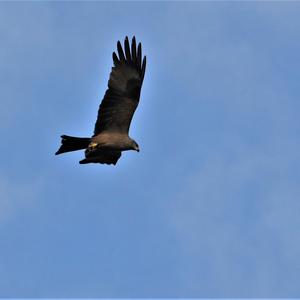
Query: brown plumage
{"points": [[116, 110]]}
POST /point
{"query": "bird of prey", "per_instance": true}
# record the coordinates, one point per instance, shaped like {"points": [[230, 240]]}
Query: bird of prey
{"points": [[115, 111]]}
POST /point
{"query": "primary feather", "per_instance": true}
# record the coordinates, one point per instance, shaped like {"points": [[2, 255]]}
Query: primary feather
{"points": [[124, 87]]}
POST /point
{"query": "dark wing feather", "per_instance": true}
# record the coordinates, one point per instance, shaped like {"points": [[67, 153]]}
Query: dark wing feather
{"points": [[124, 87], [101, 156]]}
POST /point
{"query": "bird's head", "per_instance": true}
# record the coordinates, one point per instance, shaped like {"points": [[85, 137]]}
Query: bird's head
{"points": [[135, 146]]}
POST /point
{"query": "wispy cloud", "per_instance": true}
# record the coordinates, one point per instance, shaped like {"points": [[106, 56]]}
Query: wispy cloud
{"points": [[15, 197], [237, 223]]}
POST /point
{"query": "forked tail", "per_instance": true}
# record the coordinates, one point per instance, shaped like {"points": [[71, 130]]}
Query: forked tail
{"points": [[72, 143]]}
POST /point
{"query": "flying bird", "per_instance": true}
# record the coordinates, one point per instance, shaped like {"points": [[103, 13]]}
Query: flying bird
{"points": [[116, 110]]}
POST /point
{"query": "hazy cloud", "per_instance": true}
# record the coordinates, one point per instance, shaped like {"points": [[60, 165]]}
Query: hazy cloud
{"points": [[16, 197], [238, 224]]}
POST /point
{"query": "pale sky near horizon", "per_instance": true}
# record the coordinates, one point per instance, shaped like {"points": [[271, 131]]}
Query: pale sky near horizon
{"points": [[208, 208]]}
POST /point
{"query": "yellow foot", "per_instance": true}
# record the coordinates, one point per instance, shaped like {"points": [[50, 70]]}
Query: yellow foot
{"points": [[93, 145]]}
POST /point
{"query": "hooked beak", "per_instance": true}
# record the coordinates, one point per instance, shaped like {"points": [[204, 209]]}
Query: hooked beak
{"points": [[137, 149]]}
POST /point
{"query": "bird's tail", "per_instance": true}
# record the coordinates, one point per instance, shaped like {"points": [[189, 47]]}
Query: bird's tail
{"points": [[71, 143]]}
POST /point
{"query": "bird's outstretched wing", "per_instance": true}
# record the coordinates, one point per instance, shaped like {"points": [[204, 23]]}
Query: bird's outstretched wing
{"points": [[124, 86], [103, 156]]}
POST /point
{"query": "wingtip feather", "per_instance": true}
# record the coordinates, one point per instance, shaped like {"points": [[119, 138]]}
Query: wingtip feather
{"points": [[133, 49], [120, 51], [144, 67], [139, 55], [127, 49], [115, 58]]}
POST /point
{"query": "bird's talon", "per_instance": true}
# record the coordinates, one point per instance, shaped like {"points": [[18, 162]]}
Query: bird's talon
{"points": [[93, 145]]}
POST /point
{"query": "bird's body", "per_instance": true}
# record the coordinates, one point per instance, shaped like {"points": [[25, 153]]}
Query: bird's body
{"points": [[115, 112], [112, 140]]}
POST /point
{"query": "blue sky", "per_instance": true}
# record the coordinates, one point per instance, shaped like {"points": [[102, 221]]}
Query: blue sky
{"points": [[208, 208]]}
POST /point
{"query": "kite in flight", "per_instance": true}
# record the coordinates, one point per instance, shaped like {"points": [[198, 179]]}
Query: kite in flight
{"points": [[115, 111]]}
